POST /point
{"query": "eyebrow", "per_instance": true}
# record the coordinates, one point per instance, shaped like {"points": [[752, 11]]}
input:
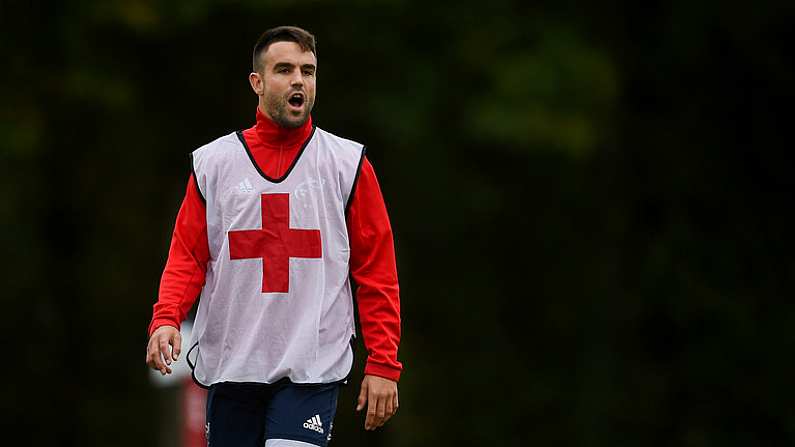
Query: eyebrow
{"points": [[289, 65]]}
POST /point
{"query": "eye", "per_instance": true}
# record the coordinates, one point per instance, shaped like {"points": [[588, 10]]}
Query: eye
{"points": [[309, 73]]}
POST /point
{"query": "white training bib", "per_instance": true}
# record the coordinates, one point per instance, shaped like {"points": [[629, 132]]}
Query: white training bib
{"points": [[277, 299]]}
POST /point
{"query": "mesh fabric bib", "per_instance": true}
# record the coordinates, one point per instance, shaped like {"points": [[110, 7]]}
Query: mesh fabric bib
{"points": [[277, 299]]}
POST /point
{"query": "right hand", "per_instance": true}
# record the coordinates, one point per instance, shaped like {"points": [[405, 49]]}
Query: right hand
{"points": [[158, 354]]}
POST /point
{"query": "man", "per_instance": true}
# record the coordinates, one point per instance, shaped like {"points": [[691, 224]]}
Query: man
{"points": [[275, 222]]}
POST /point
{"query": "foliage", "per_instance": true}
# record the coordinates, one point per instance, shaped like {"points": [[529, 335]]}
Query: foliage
{"points": [[590, 205]]}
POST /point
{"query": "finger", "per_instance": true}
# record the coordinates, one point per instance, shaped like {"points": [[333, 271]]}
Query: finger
{"points": [[165, 351], [149, 358], [151, 348], [177, 344], [369, 422], [396, 403], [380, 411], [156, 361], [389, 407], [362, 400]]}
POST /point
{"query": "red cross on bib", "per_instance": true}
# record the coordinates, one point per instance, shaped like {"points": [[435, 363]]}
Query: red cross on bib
{"points": [[275, 243]]}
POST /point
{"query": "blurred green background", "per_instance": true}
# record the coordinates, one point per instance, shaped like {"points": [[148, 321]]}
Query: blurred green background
{"points": [[592, 205]]}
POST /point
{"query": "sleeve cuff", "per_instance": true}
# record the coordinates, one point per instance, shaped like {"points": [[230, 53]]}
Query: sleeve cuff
{"points": [[387, 372]]}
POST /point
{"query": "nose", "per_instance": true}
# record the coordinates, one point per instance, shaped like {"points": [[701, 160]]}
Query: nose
{"points": [[297, 79]]}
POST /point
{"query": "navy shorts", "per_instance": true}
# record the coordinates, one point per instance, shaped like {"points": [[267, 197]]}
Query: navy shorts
{"points": [[248, 414]]}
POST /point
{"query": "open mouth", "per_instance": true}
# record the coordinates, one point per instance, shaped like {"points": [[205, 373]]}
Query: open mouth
{"points": [[296, 99]]}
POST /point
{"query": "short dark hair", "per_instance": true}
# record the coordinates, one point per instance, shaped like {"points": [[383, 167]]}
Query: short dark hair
{"points": [[302, 37]]}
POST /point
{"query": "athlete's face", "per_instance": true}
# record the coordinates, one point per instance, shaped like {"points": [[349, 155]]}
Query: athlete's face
{"points": [[286, 84]]}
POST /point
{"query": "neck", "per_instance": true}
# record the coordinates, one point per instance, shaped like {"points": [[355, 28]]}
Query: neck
{"points": [[272, 134]]}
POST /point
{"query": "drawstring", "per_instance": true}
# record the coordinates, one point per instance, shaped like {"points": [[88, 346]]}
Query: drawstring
{"points": [[187, 357]]}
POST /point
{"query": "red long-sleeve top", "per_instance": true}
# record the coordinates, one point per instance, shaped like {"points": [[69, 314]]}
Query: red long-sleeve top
{"points": [[372, 258]]}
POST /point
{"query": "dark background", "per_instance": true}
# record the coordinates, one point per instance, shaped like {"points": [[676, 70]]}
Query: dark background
{"points": [[592, 205]]}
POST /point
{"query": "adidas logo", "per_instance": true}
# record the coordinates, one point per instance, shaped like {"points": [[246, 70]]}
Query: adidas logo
{"points": [[245, 186], [314, 423]]}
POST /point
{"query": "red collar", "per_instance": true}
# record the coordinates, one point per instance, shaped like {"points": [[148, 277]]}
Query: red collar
{"points": [[274, 135]]}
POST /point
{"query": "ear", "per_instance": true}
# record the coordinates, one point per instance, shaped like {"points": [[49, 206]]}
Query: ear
{"points": [[257, 84]]}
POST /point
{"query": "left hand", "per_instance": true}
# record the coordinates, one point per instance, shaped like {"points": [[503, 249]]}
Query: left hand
{"points": [[381, 397]]}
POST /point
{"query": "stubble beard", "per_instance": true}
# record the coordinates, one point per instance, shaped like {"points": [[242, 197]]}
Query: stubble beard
{"points": [[277, 108]]}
